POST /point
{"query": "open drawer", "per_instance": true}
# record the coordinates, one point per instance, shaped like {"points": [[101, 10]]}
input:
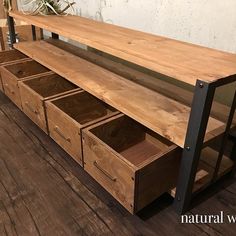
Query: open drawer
{"points": [[69, 114], [34, 92], [130, 161], [12, 74], [9, 57]]}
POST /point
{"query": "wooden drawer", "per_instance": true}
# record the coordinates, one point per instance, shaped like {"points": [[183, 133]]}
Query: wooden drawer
{"points": [[131, 162], [68, 115], [9, 57], [12, 74], [34, 92]]}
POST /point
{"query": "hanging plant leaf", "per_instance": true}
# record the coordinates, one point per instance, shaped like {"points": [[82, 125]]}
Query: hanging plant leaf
{"points": [[48, 7]]}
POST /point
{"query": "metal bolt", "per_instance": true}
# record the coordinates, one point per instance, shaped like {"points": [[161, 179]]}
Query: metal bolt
{"points": [[201, 85], [179, 199], [188, 148]]}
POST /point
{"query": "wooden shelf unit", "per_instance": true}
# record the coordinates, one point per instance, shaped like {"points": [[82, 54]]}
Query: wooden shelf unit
{"points": [[165, 116], [186, 126]]}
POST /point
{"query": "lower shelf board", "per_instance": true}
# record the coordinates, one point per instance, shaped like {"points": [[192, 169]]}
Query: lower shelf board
{"points": [[206, 169], [157, 112]]}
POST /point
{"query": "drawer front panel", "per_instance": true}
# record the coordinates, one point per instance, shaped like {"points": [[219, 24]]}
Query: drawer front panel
{"points": [[158, 177], [65, 131], [11, 89], [33, 106], [109, 170]]}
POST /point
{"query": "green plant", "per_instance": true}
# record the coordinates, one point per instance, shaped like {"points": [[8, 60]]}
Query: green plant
{"points": [[49, 7]]}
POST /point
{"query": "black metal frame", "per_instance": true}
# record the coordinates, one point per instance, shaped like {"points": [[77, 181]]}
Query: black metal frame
{"points": [[199, 116], [33, 32], [55, 36], [200, 112], [232, 137], [12, 33]]}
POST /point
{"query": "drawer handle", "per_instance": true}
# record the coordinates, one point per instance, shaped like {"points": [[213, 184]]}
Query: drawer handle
{"points": [[11, 91], [57, 130], [104, 172], [31, 109]]}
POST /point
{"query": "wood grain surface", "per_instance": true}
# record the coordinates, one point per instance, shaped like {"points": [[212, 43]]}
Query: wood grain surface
{"points": [[121, 156], [182, 61], [10, 57], [69, 114], [2, 11], [34, 92], [163, 115], [23, 30], [145, 78]]}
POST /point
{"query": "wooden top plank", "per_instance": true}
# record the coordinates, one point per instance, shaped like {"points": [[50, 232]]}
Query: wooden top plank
{"points": [[179, 60], [165, 116]]}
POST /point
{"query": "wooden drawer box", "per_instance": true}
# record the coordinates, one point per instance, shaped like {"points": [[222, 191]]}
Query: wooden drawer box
{"points": [[131, 162], [12, 74], [9, 57], [77, 111], [34, 92]]}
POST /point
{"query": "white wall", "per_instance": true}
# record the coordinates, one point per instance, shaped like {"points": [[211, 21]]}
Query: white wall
{"points": [[211, 23]]}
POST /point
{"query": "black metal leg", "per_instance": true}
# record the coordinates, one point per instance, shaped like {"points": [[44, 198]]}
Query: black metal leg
{"points": [[55, 36], [12, 32], [33, 32], [233, 153], [41, 34], [201, 107], [232, 137]]}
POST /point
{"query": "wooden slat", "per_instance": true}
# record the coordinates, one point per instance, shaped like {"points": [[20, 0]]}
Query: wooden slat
{"points": [[165, 116], [179, 60]]}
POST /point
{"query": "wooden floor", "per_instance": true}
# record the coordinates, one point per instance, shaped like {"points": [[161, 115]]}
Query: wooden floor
{"points": [[43, 192]]}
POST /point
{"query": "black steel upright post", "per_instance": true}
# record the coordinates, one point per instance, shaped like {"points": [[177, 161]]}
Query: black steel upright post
{"points": [[41, 34], [33, 32], [12, 33], [200, 112], [55, 36], [232, 137]]}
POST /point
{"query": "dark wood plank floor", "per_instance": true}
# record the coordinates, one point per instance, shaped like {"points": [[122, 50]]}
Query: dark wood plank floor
{"points": [[44, 192]]}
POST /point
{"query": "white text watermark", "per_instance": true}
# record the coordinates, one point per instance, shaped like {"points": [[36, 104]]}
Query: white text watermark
{"points": [[208, 219]]}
